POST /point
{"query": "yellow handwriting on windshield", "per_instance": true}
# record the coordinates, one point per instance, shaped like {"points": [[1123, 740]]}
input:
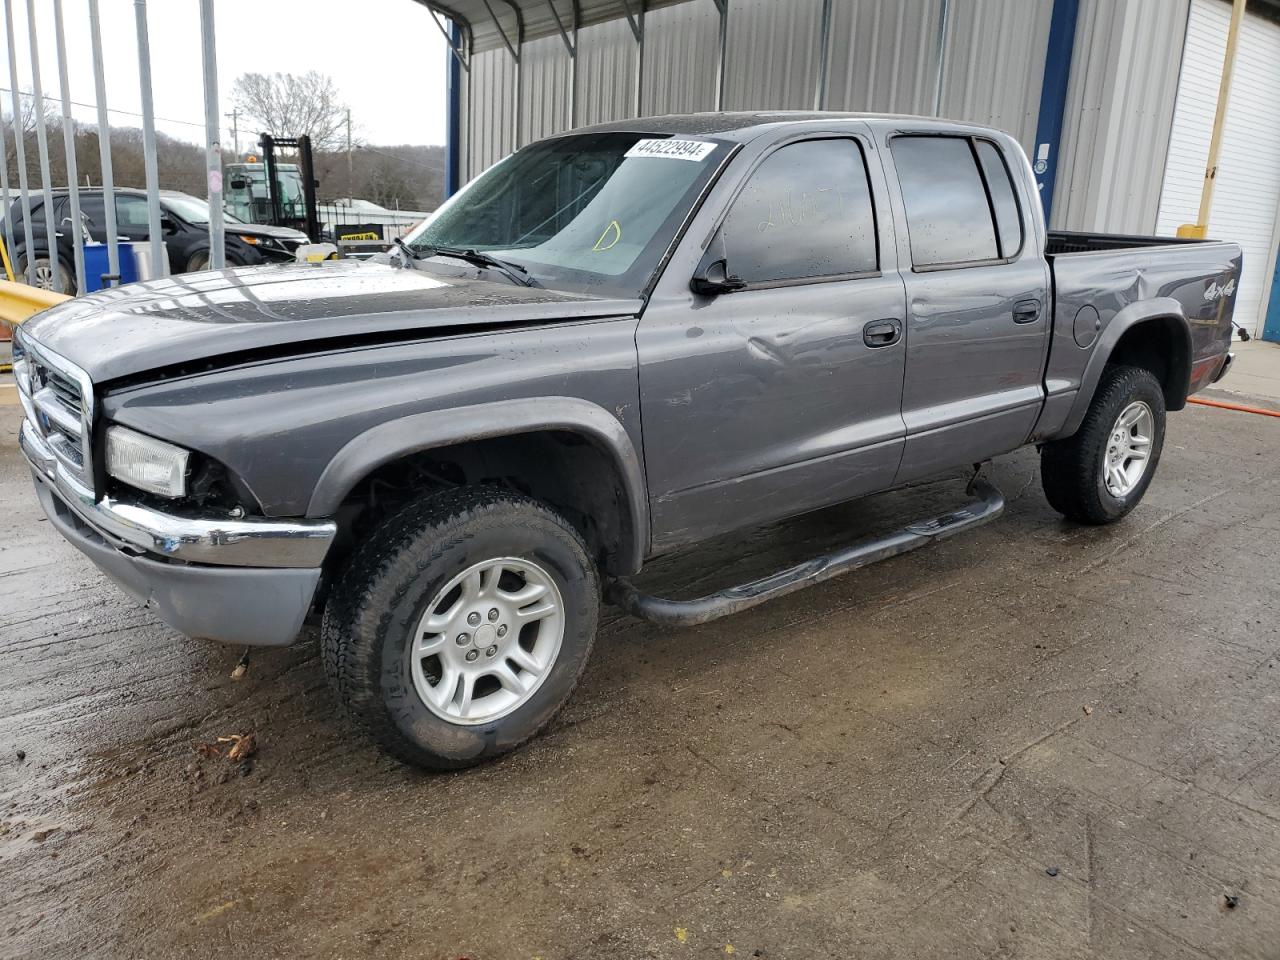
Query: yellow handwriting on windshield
{"points": [[609, 239]]}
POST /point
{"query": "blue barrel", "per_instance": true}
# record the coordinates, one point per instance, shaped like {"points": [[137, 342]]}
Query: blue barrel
{"points": [[95, 265]]}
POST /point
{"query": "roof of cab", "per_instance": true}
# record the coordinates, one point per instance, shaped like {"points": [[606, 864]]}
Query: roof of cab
{"points": [[742, 126]]}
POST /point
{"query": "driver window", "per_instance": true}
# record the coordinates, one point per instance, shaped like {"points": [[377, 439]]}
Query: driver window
{"points": [[805, 214]]}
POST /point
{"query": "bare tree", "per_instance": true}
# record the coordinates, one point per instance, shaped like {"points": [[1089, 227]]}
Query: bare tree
{"points": [[287, 105]]}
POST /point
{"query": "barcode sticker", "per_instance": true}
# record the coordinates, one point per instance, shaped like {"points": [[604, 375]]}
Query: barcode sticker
{"points": [[694, 150]]}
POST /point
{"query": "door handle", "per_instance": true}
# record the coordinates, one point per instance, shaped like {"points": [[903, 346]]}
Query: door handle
{"points": [[1026, 311], [882, 333]]}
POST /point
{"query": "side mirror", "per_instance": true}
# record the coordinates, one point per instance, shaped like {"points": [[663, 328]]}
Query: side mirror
{"points": [[712, 276], [239, 184], [167, 225]]}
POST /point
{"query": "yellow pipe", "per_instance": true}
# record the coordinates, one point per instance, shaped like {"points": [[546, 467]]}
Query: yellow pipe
{"points": [[1200, 229], [19, 301], [8, 267]]}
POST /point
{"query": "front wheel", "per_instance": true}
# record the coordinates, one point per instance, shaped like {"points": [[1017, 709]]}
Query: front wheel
{"points": [[42, 268], [1102, 472], [461, 626]]}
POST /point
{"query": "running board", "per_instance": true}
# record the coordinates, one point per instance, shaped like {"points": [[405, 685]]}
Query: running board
{"points": [[988, 503]]}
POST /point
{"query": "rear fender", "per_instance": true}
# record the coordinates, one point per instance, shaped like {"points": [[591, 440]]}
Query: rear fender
{"points": [[1165, 311]]}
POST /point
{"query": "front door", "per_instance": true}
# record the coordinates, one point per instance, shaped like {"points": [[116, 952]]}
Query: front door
{"points": [[784, 396], [978, 304]]}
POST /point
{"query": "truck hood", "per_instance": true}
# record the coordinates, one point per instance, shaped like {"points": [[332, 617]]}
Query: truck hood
{"points": [[273, 310]]}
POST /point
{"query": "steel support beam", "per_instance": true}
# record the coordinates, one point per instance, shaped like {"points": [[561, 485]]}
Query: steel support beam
{"points": [[104, 149], [69, 145], [20, 148], [149, 140], [1053, 98], [636, 22], [722, 50], [944, 34], [573, 68], [824, 57]]}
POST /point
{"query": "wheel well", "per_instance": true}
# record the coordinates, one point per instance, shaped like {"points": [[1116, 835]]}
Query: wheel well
{"points": [[564, 470], [1159, 345]]}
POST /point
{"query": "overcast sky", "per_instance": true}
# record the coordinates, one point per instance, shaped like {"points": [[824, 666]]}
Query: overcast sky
{"points": [[386, 57]]}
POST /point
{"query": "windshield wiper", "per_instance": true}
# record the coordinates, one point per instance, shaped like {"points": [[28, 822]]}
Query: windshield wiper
{"points": [[475, 257]]}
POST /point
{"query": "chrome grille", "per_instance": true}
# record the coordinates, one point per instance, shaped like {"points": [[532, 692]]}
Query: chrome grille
{"points": [[57, 398]]}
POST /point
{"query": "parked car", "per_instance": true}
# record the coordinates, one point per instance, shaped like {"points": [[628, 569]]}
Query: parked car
{"points": [[184, 221], [614, 344]]}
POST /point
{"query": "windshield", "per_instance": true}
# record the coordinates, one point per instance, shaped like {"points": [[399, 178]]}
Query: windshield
{"points": [[194, 210], [589, 212]]}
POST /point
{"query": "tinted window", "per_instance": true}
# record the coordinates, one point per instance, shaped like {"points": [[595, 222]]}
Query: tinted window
{"points": [[131, 212], [1003, 200], [805, 212], [948, 218]]}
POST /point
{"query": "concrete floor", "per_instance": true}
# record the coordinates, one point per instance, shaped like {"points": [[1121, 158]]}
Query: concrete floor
{"points": [[1036, 740]]}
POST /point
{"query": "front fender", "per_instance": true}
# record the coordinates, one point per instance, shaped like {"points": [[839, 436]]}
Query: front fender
{"points": [[1163, 310], [426, 431]]}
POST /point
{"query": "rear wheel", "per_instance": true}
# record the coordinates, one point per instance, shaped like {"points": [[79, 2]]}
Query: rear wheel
{"points": [[461, 626], [1102, 472]]}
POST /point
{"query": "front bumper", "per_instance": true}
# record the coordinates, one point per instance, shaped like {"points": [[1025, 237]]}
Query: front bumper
{"points": [[236, 581]]}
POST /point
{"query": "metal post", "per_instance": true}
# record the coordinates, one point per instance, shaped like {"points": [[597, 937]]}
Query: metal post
{"points": [[571, 47], [42, 146], [722, 51], [516, 93], [149, 140], [104, 149], [824, 57], [1200, 229], [1053, 98], [944, 29], [20, 148], [640, 62], [4, 197], [351, 190], [212, 137], [69, 143], [573, 68], [453, 84]]}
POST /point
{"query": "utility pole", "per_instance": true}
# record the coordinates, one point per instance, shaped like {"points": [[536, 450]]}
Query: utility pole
{"points": [[235, 131], [351, 192]]}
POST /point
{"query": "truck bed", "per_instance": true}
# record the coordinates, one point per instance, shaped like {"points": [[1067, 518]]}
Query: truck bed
{"points": [[1069, 241]]}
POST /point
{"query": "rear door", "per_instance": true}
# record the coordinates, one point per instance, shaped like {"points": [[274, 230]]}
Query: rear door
{"points": [[978, 310], [784, 396]]}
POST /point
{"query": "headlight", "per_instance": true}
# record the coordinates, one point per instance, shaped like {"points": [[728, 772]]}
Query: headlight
{"points": [[146, 463]]}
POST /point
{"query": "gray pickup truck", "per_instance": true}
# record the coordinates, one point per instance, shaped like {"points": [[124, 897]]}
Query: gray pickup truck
{"points": [[614, 344]]}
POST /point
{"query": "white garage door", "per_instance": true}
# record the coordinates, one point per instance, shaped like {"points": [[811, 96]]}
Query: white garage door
{"points": [[1247, 195]]}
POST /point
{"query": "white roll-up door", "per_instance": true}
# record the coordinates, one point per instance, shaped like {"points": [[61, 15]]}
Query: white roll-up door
{"points": [[1247, 195]]}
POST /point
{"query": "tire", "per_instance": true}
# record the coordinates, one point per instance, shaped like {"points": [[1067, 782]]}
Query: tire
{"points": [[1074, 471], [197, 262], [403, 572], [44, 273]]}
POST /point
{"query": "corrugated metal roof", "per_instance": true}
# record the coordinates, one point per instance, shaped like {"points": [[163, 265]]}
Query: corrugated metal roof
{"points": [[531, 19]]}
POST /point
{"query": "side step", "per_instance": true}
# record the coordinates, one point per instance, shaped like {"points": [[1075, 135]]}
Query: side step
{"points": [[988, 503]]}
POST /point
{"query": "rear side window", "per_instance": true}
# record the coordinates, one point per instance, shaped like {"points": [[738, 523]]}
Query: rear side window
{"points": [[1004, 202], [806, 213], [948, 216]]}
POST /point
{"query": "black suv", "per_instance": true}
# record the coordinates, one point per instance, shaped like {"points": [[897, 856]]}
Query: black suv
{"points": [[184, 222]]}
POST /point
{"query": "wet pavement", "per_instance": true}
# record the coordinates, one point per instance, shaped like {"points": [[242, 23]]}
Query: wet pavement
{"points": [[1034, 740]]}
